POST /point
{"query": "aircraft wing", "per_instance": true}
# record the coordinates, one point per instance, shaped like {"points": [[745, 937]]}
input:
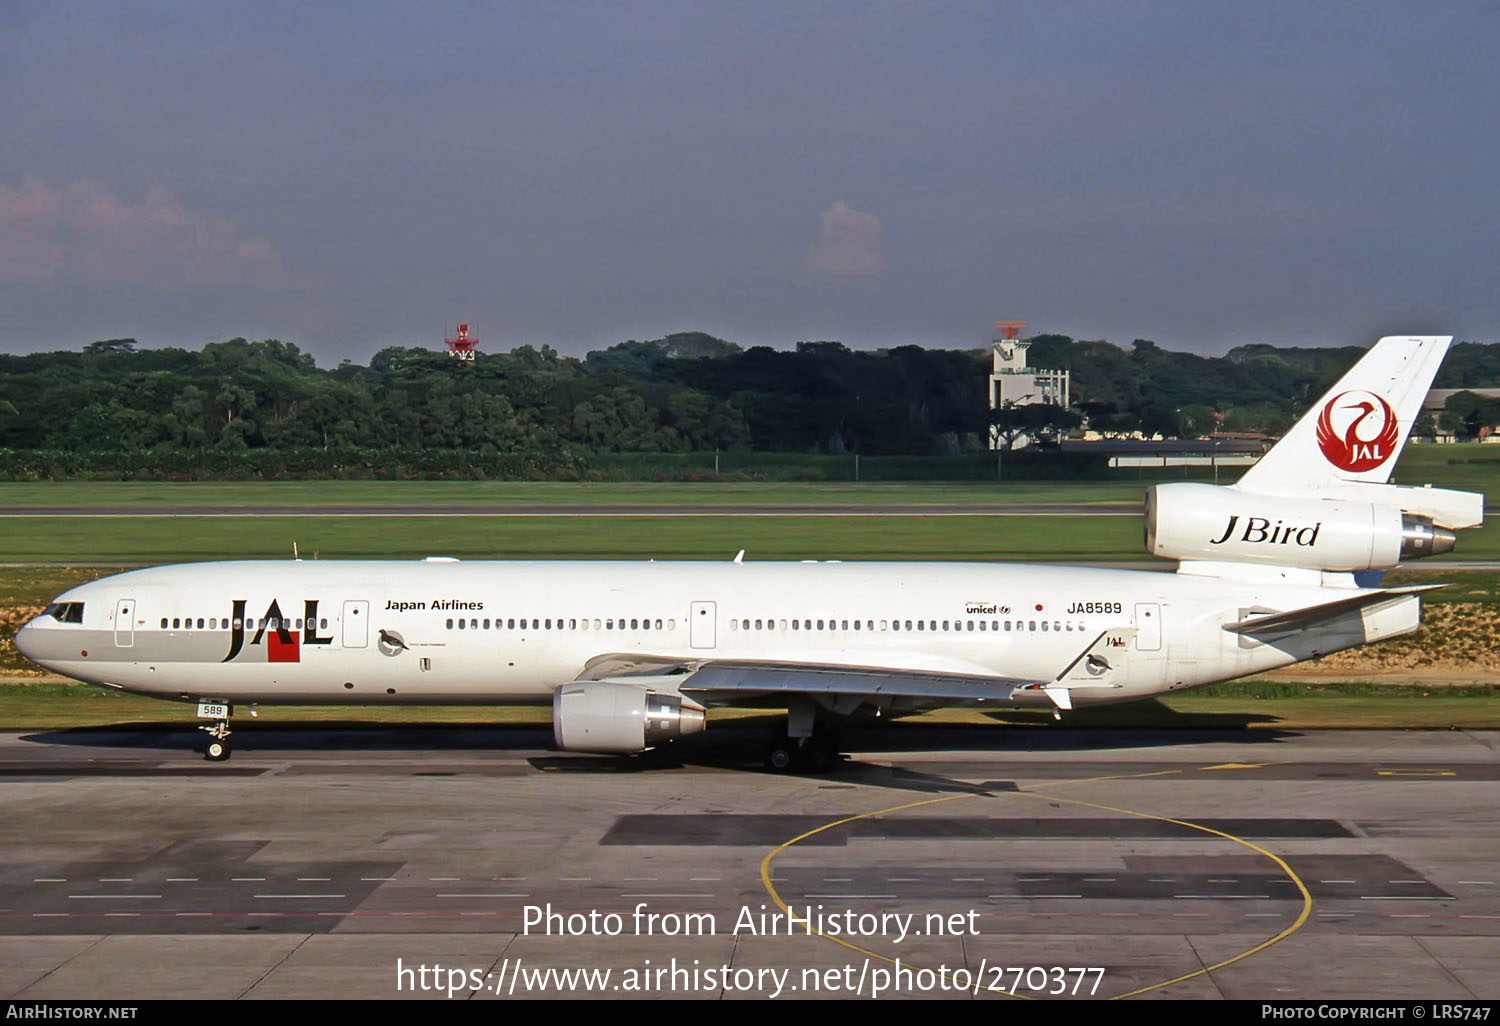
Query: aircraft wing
{"points": [[1309, 616], [767, 678], [749, 677]]}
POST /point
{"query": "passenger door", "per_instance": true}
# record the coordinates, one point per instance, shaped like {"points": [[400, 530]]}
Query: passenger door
{"points": [[703, 631], [356, 623], [125, 623], [1148, 627]]}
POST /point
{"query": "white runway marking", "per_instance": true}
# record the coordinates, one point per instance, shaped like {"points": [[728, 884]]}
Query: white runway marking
{"points": [[484, 895], [299, 895], [689, 895], [845, 896]]}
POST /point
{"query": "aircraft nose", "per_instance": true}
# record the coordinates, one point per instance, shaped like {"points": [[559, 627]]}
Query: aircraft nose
{"points": [[24, 641]]}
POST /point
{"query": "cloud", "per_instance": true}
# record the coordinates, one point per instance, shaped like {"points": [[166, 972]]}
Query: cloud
{"points": [[84, 233], [848, 242]]}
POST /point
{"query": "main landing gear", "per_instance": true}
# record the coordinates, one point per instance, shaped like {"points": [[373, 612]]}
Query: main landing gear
{"points": [[816, 754], [805, 745]]}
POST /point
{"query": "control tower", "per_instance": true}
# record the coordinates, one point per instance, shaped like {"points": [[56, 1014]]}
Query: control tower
{"points": [[1013, 383]]}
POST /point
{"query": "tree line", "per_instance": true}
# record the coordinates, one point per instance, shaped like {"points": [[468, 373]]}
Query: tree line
{"points": [[687, 392]]}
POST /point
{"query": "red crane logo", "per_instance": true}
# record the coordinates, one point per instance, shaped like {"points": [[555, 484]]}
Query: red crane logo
{"points": [[1366, 431]]}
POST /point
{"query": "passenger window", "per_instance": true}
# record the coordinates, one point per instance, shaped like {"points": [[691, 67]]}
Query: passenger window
{"points": [[820, 625], [164, 623], [908, 625], [460, 624], [1031, 625], [176, 622], [658, 625], [450, 623], [323, 623], [671, 625], [200, 623]]}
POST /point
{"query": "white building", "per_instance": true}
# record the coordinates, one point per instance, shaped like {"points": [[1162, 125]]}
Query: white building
{"points": [[1012, 383]]}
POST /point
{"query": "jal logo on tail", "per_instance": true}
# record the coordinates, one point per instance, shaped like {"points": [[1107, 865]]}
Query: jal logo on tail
{"points": [[1357, 431]]}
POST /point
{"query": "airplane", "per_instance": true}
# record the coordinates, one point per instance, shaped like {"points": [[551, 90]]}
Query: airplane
{"points": [[1282, 566]]}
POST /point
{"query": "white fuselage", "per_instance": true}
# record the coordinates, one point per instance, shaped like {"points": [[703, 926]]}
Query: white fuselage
{"points": [[499, 632]]}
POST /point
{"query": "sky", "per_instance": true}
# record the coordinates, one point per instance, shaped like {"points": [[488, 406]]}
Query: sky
{"points": [[575, 173]]}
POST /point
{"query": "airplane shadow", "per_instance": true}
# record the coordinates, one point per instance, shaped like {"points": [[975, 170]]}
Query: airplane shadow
{"points": [[731, 745]]}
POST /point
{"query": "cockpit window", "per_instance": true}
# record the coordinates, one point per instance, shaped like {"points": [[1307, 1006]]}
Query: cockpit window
{"points": [[66, 612]]}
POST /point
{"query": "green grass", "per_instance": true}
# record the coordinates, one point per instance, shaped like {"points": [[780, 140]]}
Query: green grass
{"points": [[862, 537], [1479, 586], [35, 586], [1474, 467], [175, 539], [731, 495]]}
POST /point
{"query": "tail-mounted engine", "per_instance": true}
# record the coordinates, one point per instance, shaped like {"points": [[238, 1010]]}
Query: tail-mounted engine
{"points": [[1206, 522]]}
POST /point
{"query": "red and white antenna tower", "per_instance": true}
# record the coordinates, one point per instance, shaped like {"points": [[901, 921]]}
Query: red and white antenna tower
{"points": [[462, 347]]}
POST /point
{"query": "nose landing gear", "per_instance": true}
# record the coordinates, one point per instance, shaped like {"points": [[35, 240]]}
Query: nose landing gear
{"points": [[218, 747]]}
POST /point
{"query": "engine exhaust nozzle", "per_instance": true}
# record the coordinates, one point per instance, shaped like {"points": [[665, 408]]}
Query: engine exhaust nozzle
{"points": [[1420, 539]]}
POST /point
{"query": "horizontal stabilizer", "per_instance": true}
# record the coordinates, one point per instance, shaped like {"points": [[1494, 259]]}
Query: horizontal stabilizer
{"points": [[1308, 616]]}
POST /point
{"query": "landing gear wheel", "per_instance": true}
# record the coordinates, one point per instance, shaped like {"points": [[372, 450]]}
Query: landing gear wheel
{"points": [[218, 747], [781, 756]]}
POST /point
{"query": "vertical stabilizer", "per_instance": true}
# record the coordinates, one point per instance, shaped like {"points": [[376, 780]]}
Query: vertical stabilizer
{"points": [[1355, 432]]}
